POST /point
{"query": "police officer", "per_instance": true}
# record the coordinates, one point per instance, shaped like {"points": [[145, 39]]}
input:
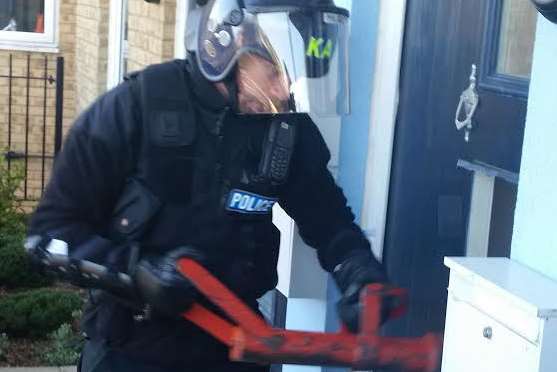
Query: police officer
{"points": [[187, 158]]}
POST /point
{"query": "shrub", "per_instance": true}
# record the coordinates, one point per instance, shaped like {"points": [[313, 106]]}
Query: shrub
{"points": [[65, 348], [15, 270], [35, 313], [4, 343], [11, 215]]}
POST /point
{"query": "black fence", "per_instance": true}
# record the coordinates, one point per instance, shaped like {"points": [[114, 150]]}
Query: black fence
{"points": [[31, 90]]}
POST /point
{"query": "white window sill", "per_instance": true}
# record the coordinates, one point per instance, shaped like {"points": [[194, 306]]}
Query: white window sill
{"points": [[29, 47]]}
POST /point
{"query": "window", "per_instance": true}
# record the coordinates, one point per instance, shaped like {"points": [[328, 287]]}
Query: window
{"points": [[516, 39], [29, 25], [509, 45]]}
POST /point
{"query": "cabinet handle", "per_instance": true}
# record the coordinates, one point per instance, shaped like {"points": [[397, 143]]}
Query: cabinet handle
{"points": [[488, 332]]}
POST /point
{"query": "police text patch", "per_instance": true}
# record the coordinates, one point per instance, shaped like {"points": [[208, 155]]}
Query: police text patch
{"points": [[246, 202]]}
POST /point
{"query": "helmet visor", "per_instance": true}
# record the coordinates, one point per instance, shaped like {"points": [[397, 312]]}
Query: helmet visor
{"points": [[288, 60]]}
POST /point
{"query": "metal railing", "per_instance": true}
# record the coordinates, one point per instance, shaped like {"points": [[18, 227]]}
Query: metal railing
{"points": [[19, 150]]}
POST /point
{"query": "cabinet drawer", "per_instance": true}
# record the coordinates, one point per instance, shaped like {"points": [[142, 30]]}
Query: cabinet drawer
{"points": [[497, 305], [476, 342]]}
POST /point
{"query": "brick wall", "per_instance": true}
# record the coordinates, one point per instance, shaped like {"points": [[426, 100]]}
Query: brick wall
{"points": [[91, 36], [34, 124], [151, 32], [83, 31]]}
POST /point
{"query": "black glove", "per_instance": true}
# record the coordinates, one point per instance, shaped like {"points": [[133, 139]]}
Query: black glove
{"points": [[353, 274], [82, 273], [36, 249], [162, 286]]}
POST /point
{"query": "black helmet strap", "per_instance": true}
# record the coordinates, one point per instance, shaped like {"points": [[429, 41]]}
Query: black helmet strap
{"points": [[232, 86]]}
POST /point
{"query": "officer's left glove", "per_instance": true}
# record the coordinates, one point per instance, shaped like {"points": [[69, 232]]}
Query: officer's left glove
{"points": [[162, 286], [50, 257], [37, 250], [351, 276]]}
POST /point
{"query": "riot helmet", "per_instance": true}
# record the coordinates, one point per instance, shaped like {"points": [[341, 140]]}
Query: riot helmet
{"points": [[290, 55]]}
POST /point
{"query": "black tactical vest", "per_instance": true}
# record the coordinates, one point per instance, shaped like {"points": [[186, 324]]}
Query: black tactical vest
{"points": [[202, 181]]}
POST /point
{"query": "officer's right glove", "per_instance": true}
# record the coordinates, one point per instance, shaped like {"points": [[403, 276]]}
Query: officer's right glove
{"points": [[351, 276], [162, 286]]}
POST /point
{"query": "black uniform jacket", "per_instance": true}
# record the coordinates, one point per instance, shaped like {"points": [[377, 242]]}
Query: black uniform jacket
{"points": [[166, 182]]}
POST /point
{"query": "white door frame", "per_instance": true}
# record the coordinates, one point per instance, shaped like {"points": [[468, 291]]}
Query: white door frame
{"points": [[180, 31], [384, 108], [116, 28]]}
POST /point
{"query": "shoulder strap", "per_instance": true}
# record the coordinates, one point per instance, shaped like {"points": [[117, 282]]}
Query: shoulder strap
{"points": [[161, 93], [166, 108], [164, 87]]}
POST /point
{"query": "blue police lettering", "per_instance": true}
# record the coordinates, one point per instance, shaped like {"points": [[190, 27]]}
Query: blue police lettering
{"points": [[245, 202], [236, 197]]}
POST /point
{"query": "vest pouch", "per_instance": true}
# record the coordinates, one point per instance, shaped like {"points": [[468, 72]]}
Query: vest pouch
{"points": [[172, 128], [134, 211]]}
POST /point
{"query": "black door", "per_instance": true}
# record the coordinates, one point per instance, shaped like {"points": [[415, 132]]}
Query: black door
{"points": [[453, 191]]}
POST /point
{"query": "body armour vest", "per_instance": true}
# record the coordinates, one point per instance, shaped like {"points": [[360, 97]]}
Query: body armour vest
{"points": [[214, 177]]}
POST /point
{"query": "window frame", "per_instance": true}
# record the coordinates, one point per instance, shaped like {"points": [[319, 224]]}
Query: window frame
{"points": [[180, 30], [46, 42], [490, 78], [117, 45]]}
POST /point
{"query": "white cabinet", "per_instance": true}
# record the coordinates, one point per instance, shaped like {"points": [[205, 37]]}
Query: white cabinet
{"points": [[501, 317]]}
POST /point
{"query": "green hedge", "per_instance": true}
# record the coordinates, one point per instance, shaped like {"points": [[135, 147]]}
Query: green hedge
{"points": [[12, 218], [15, 268], [36, 313], [15, 271]]}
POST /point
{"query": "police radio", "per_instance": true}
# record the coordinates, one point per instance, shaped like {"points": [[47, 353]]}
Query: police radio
{"points": [[548, 8], [277, 152]]}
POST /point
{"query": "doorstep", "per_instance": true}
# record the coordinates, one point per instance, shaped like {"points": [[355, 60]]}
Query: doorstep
{"points": [[38, 369]]}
